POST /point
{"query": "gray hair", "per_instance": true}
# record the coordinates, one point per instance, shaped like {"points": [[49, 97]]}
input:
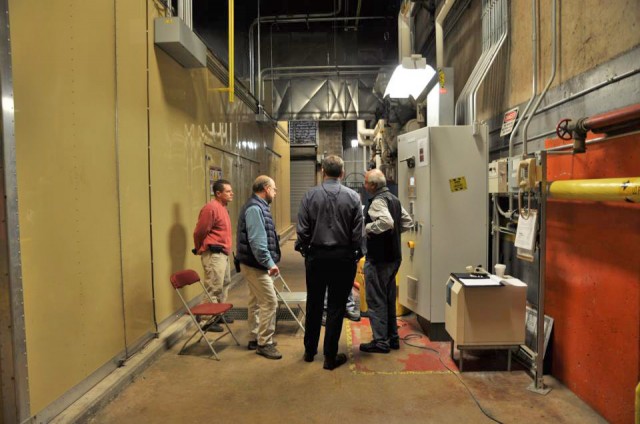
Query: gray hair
{"points": [[333, 166], [376, 177]]}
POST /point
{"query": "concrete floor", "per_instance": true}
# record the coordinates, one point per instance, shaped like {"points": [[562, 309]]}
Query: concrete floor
{"points": [[244, 387]]}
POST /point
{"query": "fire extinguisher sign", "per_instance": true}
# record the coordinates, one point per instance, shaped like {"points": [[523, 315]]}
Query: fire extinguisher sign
{"points": [[509, 121]]}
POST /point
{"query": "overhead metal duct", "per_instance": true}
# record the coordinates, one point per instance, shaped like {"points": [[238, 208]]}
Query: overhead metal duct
{"points": [[310, 96]]}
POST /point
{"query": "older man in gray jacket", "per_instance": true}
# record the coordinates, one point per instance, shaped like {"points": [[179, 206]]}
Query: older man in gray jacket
{"points": [[385, 219]]}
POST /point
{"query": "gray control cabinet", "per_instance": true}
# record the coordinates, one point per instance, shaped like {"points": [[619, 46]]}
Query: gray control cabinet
{"points": [[446, 193]]}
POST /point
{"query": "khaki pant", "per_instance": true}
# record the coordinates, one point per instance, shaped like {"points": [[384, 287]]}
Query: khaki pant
{"points": [[217, 274], [262, 304]]}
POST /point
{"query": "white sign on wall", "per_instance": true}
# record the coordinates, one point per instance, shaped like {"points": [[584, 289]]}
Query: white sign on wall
{"points": [[509, 121]]}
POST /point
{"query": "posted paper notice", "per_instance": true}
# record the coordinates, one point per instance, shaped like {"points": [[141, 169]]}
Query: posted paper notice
{"points": [[526, 231]]}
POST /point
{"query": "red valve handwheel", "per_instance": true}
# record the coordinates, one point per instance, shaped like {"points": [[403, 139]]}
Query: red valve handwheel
{"points": [[562, 129]]}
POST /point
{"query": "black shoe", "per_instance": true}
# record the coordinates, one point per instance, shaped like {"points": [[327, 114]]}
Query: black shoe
{"points": [[331, 364], [394, 344], [308, 356], [372, 347], [352, 315], [253, 344], [214, 328]]}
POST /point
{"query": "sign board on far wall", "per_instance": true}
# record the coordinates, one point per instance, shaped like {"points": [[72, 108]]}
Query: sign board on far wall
{"points": [[215, 173], [509, 121]]}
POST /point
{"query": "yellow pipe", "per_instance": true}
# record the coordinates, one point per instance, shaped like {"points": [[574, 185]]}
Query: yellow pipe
{"points": [[606, 189], [232, 79]]}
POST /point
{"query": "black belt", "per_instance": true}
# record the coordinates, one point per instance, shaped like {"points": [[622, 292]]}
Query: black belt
{"points": [[217, 249]]}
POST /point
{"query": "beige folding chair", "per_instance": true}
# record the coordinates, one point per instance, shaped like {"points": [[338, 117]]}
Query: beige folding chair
{"points": [[287, 298], [211, 309]]}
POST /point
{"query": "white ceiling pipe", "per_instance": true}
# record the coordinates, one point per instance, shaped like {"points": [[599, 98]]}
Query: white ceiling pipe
{"points": [[405, 32], [439, 34], [185, 12], [365, 135]]}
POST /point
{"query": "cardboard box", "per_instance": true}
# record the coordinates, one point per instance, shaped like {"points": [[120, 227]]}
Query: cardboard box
{"points": [[486, 316]]}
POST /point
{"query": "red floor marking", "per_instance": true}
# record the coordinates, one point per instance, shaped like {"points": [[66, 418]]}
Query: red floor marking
{"points": [[408, 360]]}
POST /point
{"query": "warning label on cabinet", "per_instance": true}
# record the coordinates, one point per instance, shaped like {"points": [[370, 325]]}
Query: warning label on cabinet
{"points": [[458, 184]]}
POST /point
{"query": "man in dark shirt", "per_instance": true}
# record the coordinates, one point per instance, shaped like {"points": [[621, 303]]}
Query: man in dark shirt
{"points": [[330, 228]]}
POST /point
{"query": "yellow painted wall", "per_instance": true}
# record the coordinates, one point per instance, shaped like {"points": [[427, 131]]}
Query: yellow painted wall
{"points": [[280, 171], [133, 177], [111, 138], [63, 67], [189, 122]]}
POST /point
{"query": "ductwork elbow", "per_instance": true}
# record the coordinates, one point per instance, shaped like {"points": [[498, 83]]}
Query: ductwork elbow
{"points": [[365, 135]]}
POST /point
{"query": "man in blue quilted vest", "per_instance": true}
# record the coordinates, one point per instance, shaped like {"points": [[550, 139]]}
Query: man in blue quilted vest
{"points": [[258, 251]]}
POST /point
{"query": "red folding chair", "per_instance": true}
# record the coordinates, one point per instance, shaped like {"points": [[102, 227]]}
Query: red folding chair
{"points": [[214, 310]]}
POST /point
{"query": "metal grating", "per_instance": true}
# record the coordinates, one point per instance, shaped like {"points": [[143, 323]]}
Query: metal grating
{"points": [[283, 314]]}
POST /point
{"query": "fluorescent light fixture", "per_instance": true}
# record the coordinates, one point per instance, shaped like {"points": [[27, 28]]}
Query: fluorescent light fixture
{"points": [[354, 143], [409, 78]]}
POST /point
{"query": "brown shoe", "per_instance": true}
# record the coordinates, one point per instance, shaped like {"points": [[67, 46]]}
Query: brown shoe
{"points": [[269, 351]]}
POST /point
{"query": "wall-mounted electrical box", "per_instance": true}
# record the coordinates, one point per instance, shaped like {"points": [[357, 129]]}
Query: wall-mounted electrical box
{"points": [[514, 181], [498, 181], [524, 174], [178, 40]]}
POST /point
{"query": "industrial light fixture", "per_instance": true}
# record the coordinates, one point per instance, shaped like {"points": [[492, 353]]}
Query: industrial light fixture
{"points": [[354, 143], [409, 78]]}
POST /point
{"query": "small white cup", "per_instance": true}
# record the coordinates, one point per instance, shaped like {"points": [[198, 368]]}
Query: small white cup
{"points": [[500, 269]]}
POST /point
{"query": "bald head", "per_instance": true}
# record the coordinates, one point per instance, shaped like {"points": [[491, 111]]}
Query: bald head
{"points": [[265, 187], [261, 183]]}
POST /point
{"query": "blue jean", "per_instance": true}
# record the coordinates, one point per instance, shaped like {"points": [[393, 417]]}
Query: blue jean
{"points": [[380, 283]]}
